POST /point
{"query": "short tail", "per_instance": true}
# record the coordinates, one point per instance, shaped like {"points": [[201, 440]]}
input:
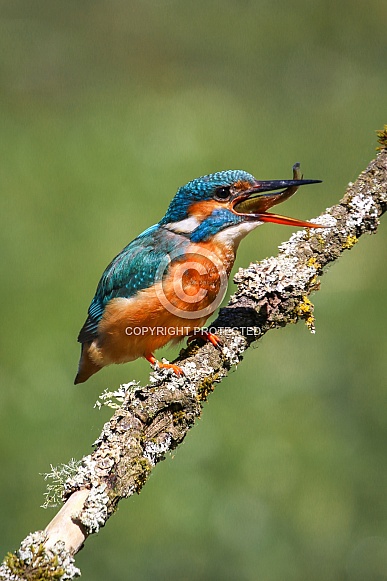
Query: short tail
{"points": [[86, 367]]}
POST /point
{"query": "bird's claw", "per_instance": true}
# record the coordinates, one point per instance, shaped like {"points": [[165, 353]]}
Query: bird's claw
{"points": [[207, 336], [175, 368]]}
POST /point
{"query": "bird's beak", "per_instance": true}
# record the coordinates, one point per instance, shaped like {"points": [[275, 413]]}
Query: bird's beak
{"points": [[253, 203]]}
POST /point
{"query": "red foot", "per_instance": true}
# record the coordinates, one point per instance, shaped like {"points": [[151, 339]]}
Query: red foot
{"points": [[176, 369], [207, 336]]}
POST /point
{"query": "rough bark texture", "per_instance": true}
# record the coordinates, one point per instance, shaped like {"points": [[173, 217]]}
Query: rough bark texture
{"points": [[153, 420]]}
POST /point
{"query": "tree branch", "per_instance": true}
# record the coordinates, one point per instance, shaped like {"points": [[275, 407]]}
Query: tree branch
{"points": [[153, 420]]}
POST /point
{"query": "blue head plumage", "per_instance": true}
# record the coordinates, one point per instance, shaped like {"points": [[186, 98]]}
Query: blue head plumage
{"points": [[200, 190]]}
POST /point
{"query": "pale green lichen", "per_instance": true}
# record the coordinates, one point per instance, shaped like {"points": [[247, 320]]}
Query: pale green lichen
{"points": [[155, 450], [115, 399], [363, 211], [58, 476], [35, 562], [94, 513]]}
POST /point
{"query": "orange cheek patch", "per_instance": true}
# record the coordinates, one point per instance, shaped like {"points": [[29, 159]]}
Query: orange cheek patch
{"points": [[202, 210]]}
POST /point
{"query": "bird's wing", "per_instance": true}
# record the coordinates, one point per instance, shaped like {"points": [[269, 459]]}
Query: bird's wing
{"points": [[139, 265]]}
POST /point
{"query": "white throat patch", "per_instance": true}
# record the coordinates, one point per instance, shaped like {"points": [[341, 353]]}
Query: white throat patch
{"points": [[184, 226], [232, 235]]}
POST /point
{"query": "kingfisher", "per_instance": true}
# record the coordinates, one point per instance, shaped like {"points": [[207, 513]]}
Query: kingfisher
{"points": [[165, 284]]}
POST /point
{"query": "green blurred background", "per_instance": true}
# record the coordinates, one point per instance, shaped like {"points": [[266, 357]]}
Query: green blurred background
{"points": [[107, 107]]}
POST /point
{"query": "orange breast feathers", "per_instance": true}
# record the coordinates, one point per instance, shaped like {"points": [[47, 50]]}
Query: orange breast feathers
{"points": [[191, 289]]}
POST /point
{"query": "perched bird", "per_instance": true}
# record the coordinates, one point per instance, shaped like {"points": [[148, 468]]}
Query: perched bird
{"points": [[167, 282]]}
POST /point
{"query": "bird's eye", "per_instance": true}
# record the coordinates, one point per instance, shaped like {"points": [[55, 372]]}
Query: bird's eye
{"points": [[222, 193]]}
